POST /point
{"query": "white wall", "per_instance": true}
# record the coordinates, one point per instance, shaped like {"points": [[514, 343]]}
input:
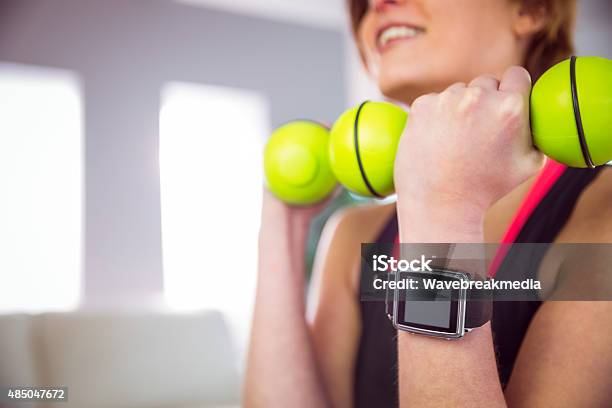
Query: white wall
{"points": [[125, 51]]}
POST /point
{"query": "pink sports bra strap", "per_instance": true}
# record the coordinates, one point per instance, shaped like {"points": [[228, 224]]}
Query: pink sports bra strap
{"points": [[546, 179]]}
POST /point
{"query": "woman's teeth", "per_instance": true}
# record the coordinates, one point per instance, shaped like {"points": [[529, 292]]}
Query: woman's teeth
{"points": [[397, 32]]}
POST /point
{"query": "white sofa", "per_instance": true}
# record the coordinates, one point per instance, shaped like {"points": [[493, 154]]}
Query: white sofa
{"points": [[122, 360]]}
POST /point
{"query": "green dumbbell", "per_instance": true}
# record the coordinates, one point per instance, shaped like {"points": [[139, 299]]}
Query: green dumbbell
{"points": [[362, 148], [296, 163], [571, 112], [571, 122]]}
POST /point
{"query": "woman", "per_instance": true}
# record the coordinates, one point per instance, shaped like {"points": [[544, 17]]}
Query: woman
{"points": [[457, 64]]}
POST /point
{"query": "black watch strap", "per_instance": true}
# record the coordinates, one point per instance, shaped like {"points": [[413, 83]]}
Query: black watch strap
{"points": [[478, 308]]}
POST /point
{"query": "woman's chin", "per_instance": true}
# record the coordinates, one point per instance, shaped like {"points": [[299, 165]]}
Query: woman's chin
{"points": [[404, 92]]}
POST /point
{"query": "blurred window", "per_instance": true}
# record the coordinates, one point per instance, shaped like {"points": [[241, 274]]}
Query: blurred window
{"points": [[40, 189], [211, 141]]}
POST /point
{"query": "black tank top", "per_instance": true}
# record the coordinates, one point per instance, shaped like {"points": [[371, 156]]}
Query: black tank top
{"points": [[376, 366]]}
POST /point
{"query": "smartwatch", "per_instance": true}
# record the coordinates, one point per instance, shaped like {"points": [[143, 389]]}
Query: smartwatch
{"points": [[439, 303]]}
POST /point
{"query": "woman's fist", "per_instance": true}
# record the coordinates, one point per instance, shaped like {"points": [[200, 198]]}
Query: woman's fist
{"points": [[468, 145]]}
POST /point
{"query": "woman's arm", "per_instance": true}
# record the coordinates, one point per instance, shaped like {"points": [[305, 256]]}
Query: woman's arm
{"points": [[335, 312], [566, 356], [336, 326], [465, 148], [292, 362], [281, 367], [440, 373]]}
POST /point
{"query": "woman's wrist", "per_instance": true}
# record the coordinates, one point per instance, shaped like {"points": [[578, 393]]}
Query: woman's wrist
{"points": [[440, 219]]}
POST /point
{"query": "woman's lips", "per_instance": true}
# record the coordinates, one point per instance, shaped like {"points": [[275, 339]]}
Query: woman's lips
{"points": [[396, 32]]}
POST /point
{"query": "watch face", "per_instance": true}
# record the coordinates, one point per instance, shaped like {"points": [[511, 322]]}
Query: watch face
{"points": [[437, 310]]}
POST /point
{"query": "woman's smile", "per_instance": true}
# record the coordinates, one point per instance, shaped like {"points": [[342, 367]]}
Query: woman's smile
{"points": [[394, 33]]}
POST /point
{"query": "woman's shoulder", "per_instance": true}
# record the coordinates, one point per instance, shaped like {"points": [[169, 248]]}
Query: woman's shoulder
{"points": [[359, 223], [340, 244], [591, 219]]}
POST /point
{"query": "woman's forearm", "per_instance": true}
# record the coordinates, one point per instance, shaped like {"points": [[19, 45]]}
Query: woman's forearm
{"points": [[449, 373], [435, 372], [281, 369]]}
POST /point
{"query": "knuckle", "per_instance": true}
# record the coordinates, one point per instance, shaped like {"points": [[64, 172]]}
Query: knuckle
{"points": [[475, 92], [445, 96], [519, 70], [470, 99], [421, 102], [516, 100], [457, 86], [481, 78], [512, 107]]}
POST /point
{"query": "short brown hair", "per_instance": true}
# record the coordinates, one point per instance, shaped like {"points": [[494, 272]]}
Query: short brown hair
{"points": [[552, 44]]}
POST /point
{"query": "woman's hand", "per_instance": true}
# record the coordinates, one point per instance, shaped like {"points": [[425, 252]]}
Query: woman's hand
{"points": [[464, 149], [276, 213]]}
